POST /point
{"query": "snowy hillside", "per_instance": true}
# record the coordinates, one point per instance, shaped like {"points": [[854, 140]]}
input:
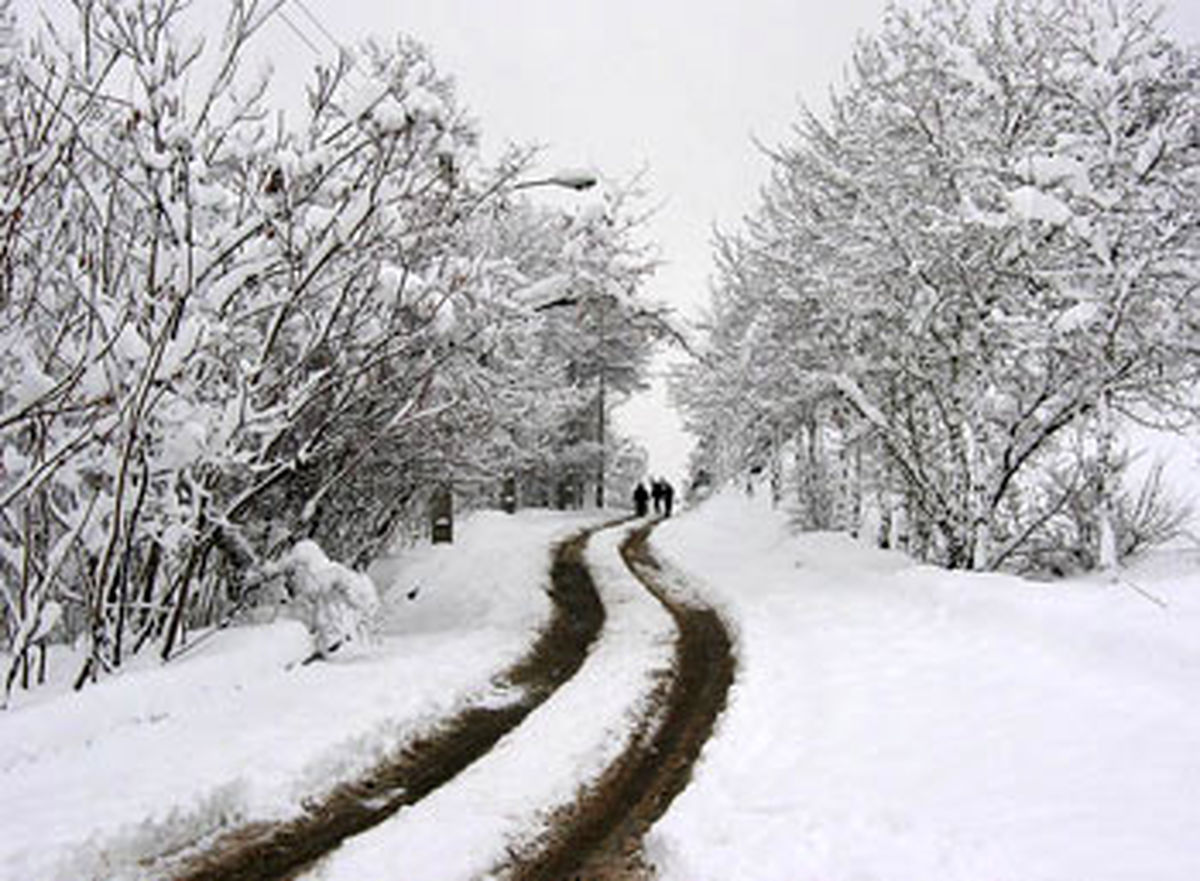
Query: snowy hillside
{"points": [[896, 721]]}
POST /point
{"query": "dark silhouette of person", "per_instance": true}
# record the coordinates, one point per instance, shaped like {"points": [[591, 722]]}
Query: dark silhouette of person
{"points": [[640, 497], [656, 491], [668, 498]]}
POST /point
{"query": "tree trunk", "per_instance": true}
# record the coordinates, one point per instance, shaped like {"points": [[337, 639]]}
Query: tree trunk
{"points": [[978, 513], [1105, 489], [175, 628]]}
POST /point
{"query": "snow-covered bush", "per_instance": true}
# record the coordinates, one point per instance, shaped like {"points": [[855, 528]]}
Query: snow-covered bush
{"points": [[335, 603], [1146, 514]]}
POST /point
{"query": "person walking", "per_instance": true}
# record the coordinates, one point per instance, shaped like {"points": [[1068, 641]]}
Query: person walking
{"points": [[640, 497], [656, 492], [668, 498]]}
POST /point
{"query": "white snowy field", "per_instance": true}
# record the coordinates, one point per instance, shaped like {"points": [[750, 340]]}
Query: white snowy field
{"points": [[237, 730], [889, 720], [895, 721]]}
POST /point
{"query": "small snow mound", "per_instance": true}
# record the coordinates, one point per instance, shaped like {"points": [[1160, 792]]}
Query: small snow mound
{"points": [[336, 603], [835, 552]]}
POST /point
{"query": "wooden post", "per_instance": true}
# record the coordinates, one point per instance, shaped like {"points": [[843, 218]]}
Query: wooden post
{"points": [[441, 516], [508, 495]]}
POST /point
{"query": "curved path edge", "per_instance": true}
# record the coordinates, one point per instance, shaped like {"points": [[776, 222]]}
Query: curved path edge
{"points": [[600, 836]]}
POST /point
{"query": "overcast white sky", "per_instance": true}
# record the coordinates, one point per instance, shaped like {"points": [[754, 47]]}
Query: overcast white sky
{"points": [[676, 87], [679, 87]]}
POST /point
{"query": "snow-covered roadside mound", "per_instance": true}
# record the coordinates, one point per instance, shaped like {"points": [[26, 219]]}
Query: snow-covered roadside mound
{"points": [[895, 721], [501, 803], [237, 730]]}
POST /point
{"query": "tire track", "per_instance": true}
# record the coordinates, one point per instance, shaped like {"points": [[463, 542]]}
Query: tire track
{"points": [[281, 851], [599, 837]]}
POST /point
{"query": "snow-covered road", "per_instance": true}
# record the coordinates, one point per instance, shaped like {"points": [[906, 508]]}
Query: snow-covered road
{"points": [[889, 720], [237, 731], [499, 806]]}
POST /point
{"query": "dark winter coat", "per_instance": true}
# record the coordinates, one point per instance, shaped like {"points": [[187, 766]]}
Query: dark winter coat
{"points": [[640, 497]]}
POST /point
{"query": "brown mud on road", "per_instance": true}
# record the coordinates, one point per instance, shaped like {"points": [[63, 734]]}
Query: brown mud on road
{"points": [[280, 851], [599, 837]]}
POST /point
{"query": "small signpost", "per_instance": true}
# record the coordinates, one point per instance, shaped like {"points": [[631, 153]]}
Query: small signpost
{"points": [[441, 516], [508, 495]]}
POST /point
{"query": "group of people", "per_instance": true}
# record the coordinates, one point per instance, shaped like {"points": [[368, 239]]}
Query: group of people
{"points": [[660, 492]]}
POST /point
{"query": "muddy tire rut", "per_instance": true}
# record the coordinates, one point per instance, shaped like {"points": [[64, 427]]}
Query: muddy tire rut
{"points": [[281, 851], [600, 837]]}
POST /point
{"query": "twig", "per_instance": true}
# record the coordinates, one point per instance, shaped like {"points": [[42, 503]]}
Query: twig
{"points": [[1136, 588]]}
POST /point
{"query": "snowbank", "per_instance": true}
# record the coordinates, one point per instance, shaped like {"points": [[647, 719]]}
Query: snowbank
{"points": [[238, 730], [894, 721]]}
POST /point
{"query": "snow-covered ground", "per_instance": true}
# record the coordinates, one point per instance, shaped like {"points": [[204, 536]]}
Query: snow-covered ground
{"points": [[237, 730], [889, 720], [894, 721], [499, 805]]}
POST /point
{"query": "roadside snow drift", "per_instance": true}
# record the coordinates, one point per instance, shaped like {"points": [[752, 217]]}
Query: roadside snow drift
{"points": [[895, 721]]}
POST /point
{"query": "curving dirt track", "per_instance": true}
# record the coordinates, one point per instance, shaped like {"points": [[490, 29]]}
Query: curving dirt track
{"points": [[599, 838], [280, 851]]}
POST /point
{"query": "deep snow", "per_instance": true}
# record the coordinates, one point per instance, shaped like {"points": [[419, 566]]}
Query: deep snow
{"points": [[896, 721], [237, 730], [889, 720]]}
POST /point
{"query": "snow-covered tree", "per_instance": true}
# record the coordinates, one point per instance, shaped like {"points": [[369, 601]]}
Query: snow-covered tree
{"points": [[222, 337], [988, 241]]}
